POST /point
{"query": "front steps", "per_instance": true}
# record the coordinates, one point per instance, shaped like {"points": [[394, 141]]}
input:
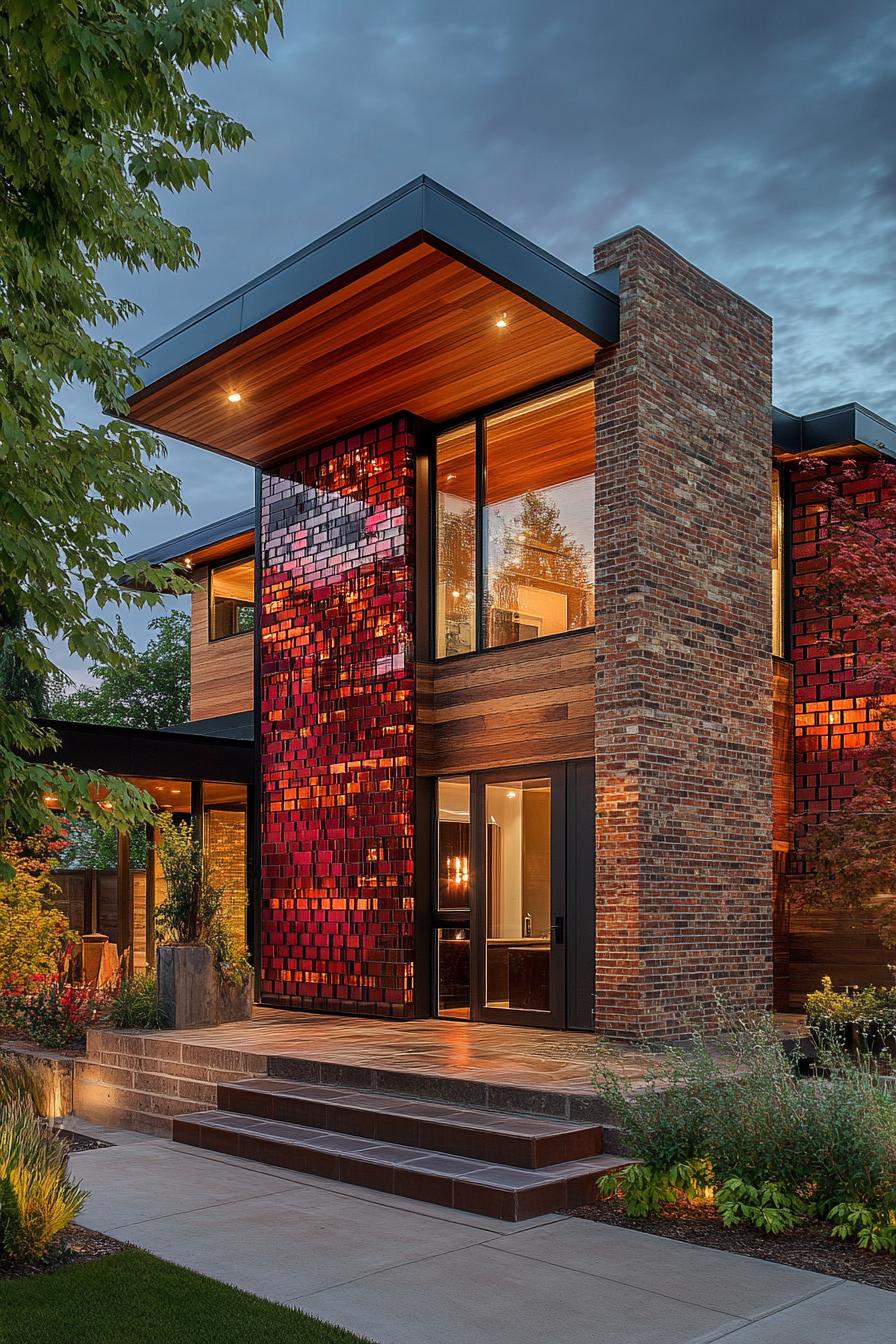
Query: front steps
{"points": [[489, 1162]]}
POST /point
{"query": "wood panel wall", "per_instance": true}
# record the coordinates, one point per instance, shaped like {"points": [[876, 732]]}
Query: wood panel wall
{"points": [[220, 671], [514, 706]]}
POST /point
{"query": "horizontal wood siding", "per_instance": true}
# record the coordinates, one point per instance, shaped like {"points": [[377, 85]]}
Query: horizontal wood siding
{"points": [[220, 672], [515, 706]]}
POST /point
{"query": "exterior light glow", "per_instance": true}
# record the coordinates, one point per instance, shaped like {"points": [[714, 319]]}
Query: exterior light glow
{"points": [[107, 806], [50, 799], [501, 322], [234, 397]]}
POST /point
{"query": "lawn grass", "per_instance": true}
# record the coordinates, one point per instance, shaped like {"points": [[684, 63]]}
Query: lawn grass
{"points": [[133, 1298]]}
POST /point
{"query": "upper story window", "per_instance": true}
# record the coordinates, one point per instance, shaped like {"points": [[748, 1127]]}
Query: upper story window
{"points": [[515, 523], [231, 598], [777, 566]]}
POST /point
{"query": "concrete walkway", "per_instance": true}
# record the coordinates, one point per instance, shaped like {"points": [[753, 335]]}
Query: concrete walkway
{"points": [[405, 1273]]}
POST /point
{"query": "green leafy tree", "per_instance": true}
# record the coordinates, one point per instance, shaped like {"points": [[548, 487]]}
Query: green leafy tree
{"points": [[150, 690], [96, 119]]}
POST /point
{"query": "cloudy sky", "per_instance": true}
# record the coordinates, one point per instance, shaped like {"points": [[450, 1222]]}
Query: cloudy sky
{"points": [[757, 138]]}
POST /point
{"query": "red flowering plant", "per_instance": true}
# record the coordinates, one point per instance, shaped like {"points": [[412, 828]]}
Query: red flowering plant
{"points": [[848, 857]]}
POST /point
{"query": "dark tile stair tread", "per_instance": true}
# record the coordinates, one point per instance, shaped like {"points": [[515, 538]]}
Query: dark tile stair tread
{"points": [[468, 1170], [472, 1117]]}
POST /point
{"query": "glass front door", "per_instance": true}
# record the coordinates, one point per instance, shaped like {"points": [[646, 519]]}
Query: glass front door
{"points": [[499, 937]]}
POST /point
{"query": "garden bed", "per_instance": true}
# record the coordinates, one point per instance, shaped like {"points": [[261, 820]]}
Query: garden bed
{"points": [[809, 1246], [75, 1246]]}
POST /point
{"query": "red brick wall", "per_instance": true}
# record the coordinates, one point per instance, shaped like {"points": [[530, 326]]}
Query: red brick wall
{"points": [[683, 724], [337, 726], [832, 727]]}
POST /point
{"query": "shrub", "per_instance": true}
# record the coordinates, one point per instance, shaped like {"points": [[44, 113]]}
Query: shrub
{"points": [[738, 1123], [191, 910], [37, 1200], [34, 936], [192, 900], [56, 1014], [133, 1003], [23, 1081]]}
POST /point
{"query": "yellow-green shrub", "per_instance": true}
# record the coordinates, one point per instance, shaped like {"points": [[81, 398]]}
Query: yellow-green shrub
{"points": [[37, 1200]]}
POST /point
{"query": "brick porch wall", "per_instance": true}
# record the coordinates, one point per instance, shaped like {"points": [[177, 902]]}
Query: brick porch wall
{"points": [[683, 725], [337, 726]]}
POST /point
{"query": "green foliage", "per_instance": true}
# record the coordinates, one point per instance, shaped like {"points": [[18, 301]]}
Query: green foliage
{"points": [[644, 1189], [766, 1207], [23, 1081], [738, 1120], [33, 935], [87, 845], [150, 690], [134, 1004], [873, 1229], [37, 1200], [190, 912], [192, 899], [98, 120], [871, 1004]]}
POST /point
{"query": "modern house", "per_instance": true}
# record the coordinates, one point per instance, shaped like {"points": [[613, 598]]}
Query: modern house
{"points": [[510, 626]]}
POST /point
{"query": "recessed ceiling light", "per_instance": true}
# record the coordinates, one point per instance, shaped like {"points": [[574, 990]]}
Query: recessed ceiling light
{"points": [[501, 322], [234, 396]]}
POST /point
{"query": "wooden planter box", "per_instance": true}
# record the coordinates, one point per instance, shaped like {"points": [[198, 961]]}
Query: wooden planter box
{"points": [[190, 992]]}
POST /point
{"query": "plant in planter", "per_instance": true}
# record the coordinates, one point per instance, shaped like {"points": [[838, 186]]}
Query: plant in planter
{"points": [[202, 976], [854, 1018]]}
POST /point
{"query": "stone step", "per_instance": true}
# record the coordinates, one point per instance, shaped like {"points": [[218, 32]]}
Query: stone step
{"points": [[527, 1141], [494, 1189]]}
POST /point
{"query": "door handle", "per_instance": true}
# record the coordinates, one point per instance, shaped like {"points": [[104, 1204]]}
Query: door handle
{"points": [[557, 930]]}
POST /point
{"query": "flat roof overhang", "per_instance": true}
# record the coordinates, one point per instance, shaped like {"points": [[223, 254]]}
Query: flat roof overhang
{"points": [[394, 311], [221, 540], [841, 431], [161, 753]]}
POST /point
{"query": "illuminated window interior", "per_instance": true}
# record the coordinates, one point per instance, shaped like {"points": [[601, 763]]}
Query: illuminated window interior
{"points": [[232, 599], [536, 524]]}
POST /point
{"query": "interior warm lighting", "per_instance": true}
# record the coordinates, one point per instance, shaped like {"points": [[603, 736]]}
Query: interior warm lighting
{"points": [[106, 806], [234, 397], [452, 476], [176, 792], [50, 799], [188, 563], [455, 592], [458, 870], [511, 793], [501, 322]]}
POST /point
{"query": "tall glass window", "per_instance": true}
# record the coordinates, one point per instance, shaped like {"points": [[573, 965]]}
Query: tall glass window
{"points": [[539, 517], [536, 525], [777, 567], [232, 598], [456, 542]]}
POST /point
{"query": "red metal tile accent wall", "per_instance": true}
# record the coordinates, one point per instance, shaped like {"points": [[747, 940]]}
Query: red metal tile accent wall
{"points": [[832, 728], [832, 723], [337, 725], [683, 722]]}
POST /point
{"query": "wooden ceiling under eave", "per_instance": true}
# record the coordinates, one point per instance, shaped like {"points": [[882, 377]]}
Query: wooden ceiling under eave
{"points": [[417, 332]]}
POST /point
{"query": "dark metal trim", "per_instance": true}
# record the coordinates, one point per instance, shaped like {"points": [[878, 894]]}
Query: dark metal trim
{"points": [[422, 210], [177, 548], [838, 426], [150, 752]]}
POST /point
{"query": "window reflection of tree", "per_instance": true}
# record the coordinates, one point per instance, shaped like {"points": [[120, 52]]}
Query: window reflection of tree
{"points": [[457, 562], [534, 549]]}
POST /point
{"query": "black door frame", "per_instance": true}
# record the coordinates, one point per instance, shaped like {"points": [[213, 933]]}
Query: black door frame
{"points": [[565, 878]]}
